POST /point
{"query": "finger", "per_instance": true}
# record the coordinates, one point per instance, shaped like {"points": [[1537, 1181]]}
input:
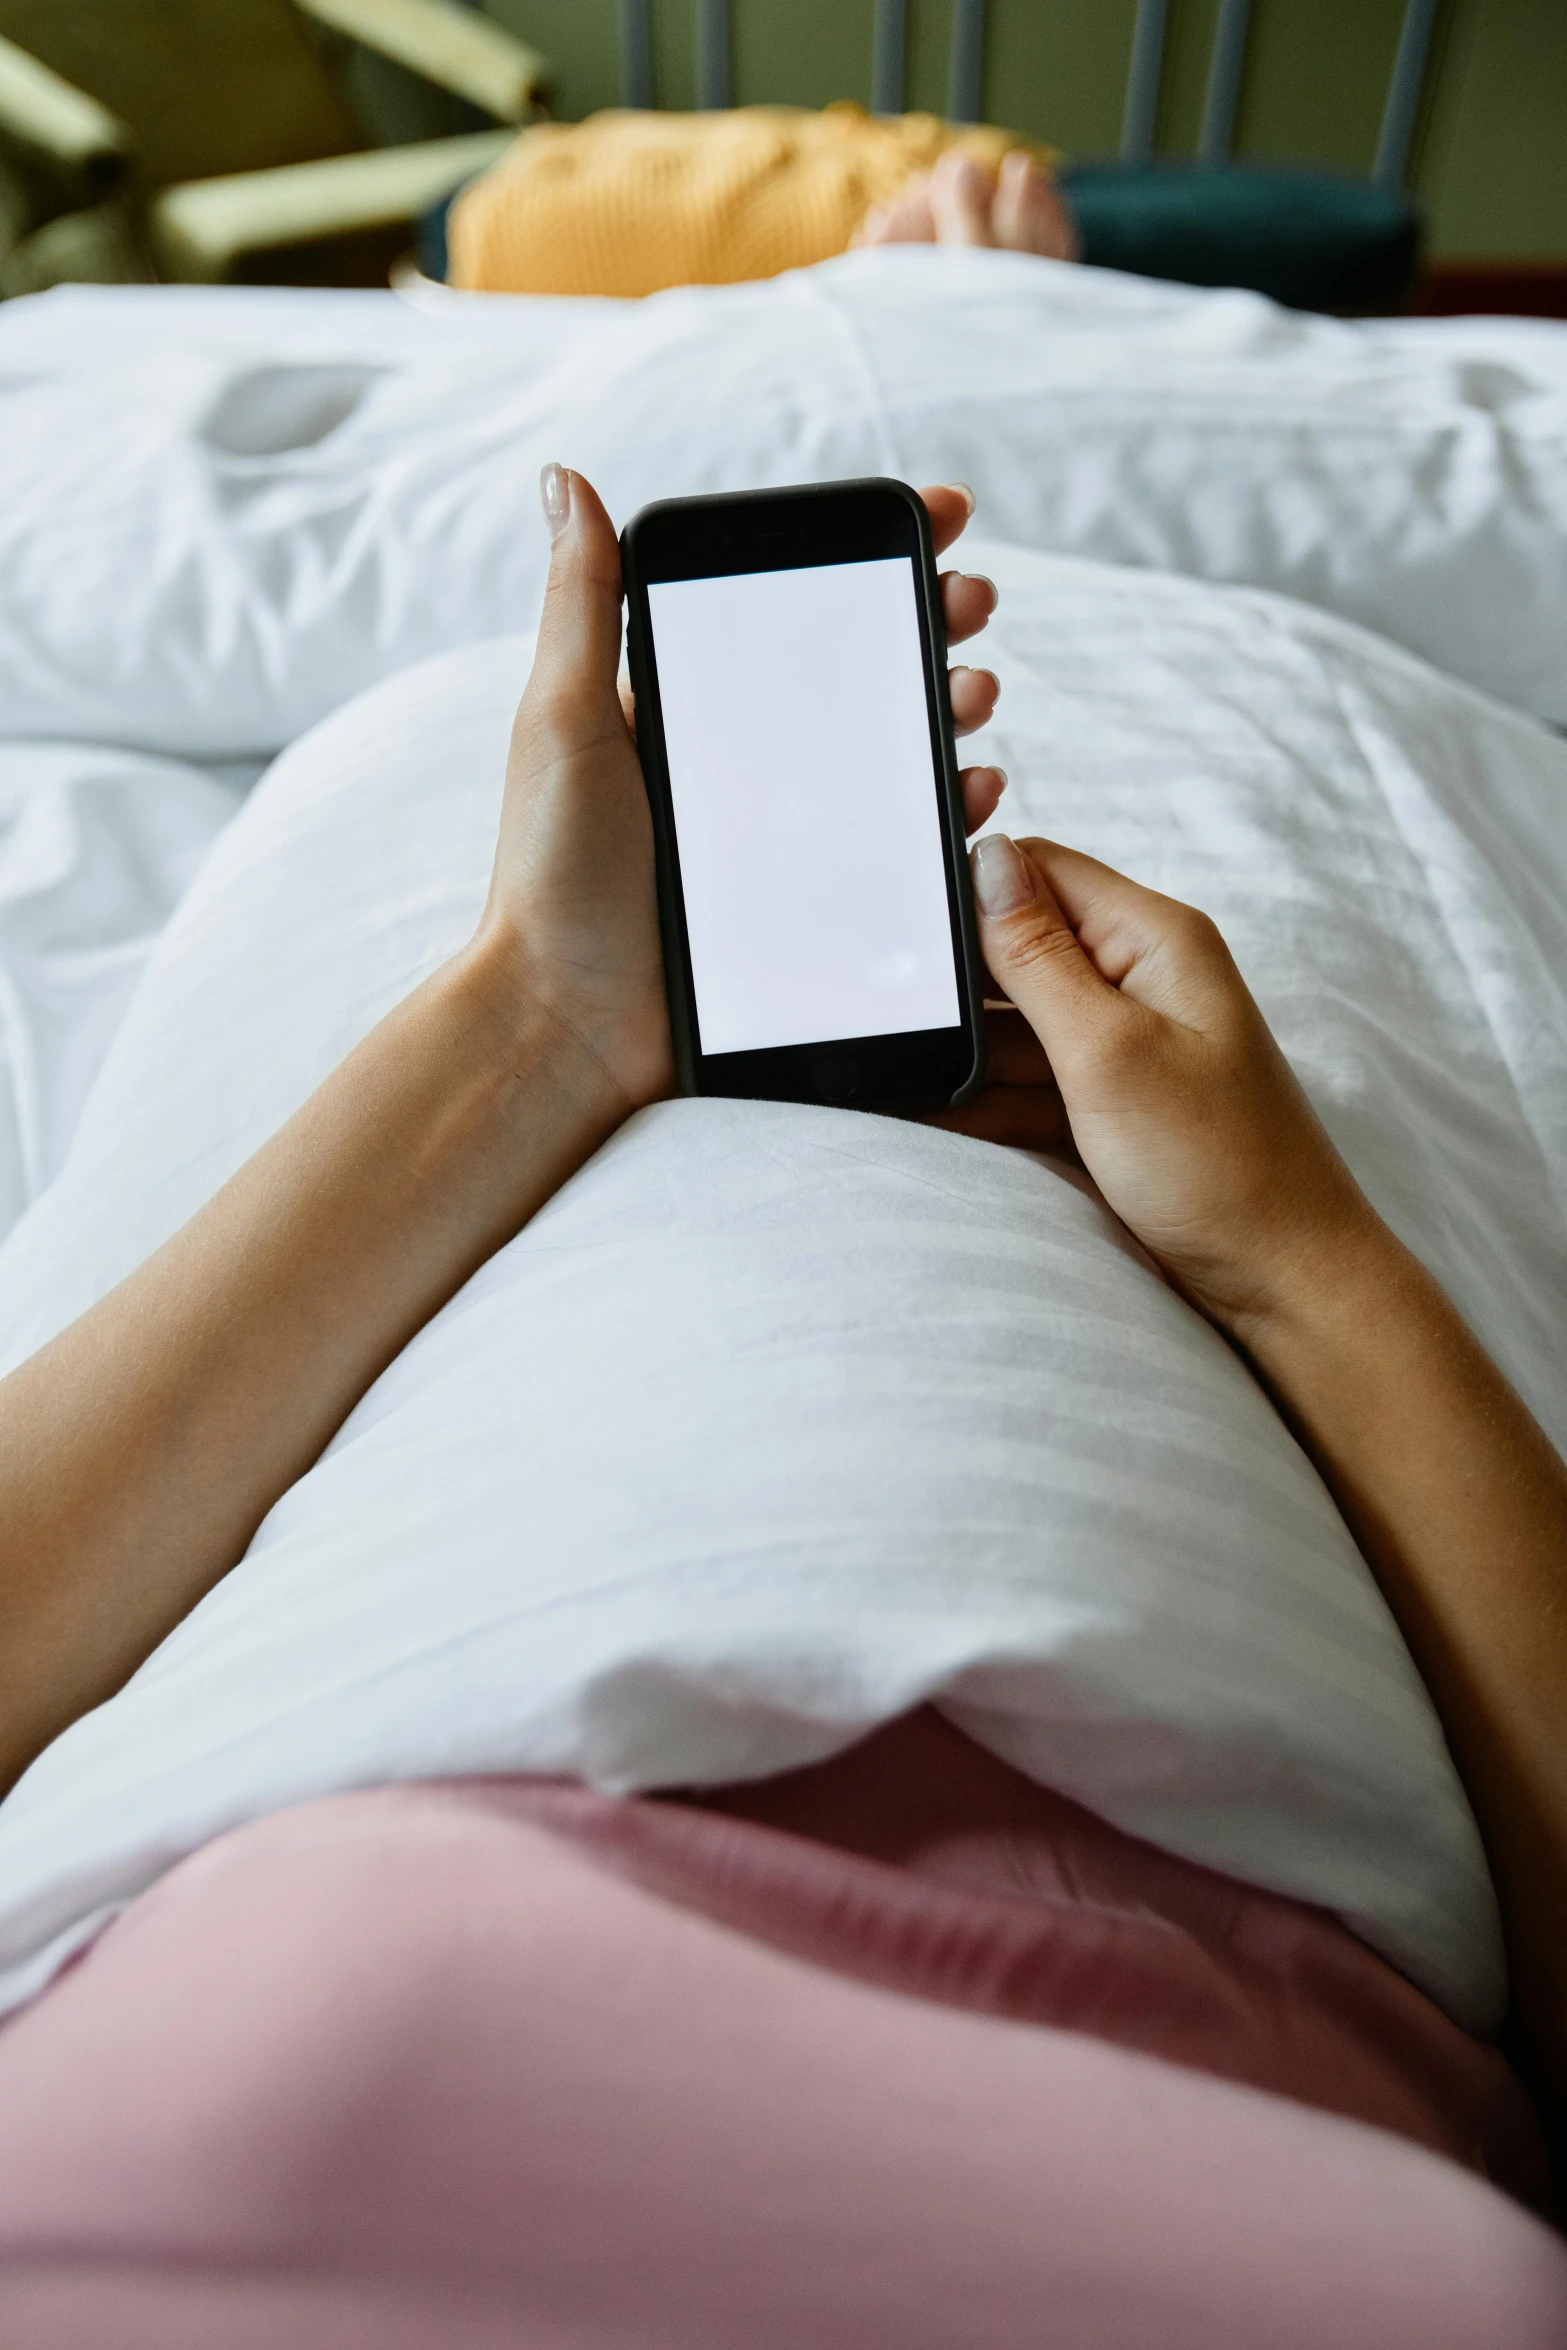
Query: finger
{"points": [[1033, 951], [576, 666], [1030, 1118], [1013, 1053], [1154, 949], [967, 601], [950, 506], [974, 693], [982, 790]]}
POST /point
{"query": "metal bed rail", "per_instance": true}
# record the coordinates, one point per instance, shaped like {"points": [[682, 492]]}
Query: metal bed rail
{"points": [[966, 64]]}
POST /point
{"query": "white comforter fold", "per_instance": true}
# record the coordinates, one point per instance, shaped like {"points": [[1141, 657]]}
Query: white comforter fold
{"points": [[205, 547], [777, 1420]]}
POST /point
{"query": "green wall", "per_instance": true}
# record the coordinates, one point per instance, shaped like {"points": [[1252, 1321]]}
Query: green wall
{"points": [[1490, 160]]}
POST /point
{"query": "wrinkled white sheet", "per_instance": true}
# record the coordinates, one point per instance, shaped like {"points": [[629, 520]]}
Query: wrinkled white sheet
{"points": [[776, 1419], [223, 512], [205, 547], [97, 847]]}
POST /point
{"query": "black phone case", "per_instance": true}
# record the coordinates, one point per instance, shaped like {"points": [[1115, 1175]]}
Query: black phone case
{"points": [[655, 770]]}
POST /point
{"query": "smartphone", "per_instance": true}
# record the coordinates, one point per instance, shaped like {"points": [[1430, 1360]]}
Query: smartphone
{"points": [[789, 663]]}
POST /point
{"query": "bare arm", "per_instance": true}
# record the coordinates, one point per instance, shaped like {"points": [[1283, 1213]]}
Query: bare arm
{"points": [[1145, 1052], [142, 1448], [1459, 1503]]}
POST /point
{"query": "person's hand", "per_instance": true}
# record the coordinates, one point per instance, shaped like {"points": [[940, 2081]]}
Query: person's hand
{"points": [[572, 913], [1135, 1045]]}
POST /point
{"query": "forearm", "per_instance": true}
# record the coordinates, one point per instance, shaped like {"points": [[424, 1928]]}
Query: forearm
{"points": [[1459, 1503], [1189, 1118], [141, 1449]]}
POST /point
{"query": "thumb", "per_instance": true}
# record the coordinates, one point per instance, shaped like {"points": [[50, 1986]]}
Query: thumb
{"points": [[577, 664], [1033, 952]]}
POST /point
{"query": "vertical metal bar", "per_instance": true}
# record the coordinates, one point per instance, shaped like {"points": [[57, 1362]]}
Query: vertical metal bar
{"points": [[1403, 94], [1142, 82], [712, 54], [636, 53], [966, 69], [1224, 82], [887, 41]]}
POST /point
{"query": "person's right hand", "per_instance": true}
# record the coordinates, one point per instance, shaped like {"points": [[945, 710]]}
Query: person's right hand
{"points": [[1134, 1037], [1144, 1050]]}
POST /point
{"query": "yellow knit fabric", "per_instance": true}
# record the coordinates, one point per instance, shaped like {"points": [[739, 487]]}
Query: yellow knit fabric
{"points": [[625, 203]]}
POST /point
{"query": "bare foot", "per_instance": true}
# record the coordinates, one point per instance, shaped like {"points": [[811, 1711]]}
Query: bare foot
{"points": [[958, 203], [906, 220], [1029, 214], [962, 198]]}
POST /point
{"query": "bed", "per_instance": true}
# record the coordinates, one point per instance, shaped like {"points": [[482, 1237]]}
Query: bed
{"points": [[246, 474], [1282, 631]]}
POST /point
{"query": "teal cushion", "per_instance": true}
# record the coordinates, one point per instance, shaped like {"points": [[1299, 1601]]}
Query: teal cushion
{"points": [[1308, 238]]}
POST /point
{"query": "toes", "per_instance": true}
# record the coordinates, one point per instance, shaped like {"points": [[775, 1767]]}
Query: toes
{"points": [[904, 219], [1030, 213], [960, 200]]}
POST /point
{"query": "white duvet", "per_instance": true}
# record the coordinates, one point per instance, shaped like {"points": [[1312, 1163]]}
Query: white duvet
{"points": [[205, 546], [985, 1454]]}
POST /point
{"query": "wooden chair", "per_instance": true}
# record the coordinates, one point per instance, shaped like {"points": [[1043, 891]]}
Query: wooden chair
{"points": [[189, 139]]}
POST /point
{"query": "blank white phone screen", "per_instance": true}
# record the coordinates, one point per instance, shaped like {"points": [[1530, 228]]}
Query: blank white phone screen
{"points": [[805, 804]]}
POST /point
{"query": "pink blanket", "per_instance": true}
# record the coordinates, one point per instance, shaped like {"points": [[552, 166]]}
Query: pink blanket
{"points": [[901, 2053]]}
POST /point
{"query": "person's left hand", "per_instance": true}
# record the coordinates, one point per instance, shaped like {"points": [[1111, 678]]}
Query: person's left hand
{"points": [[571, 918]]}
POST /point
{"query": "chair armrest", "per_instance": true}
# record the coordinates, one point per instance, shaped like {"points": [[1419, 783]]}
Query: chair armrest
{"points": [[454, 47], [53, 121], [199, 229], [16, 217]]}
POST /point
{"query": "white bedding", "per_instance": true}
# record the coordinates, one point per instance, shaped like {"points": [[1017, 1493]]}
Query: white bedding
{"points": [[987, 1455], [264, 504], [206, 546], [97, 847], [224, 512]]}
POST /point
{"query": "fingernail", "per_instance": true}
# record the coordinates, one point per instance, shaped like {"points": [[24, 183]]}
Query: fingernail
{"points": [[965, 493], [555, 497], [1003, 876], [995, 592]]}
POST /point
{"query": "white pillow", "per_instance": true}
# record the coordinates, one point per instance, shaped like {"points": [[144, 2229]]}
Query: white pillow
{"points": [[206, 551], [778, 1419]]}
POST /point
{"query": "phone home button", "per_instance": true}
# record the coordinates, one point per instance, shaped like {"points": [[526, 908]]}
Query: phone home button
{"points": [[836, 1077]]}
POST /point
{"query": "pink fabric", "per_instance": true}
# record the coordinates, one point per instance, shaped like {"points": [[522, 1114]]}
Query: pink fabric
{"points": [[501, 2063]]}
